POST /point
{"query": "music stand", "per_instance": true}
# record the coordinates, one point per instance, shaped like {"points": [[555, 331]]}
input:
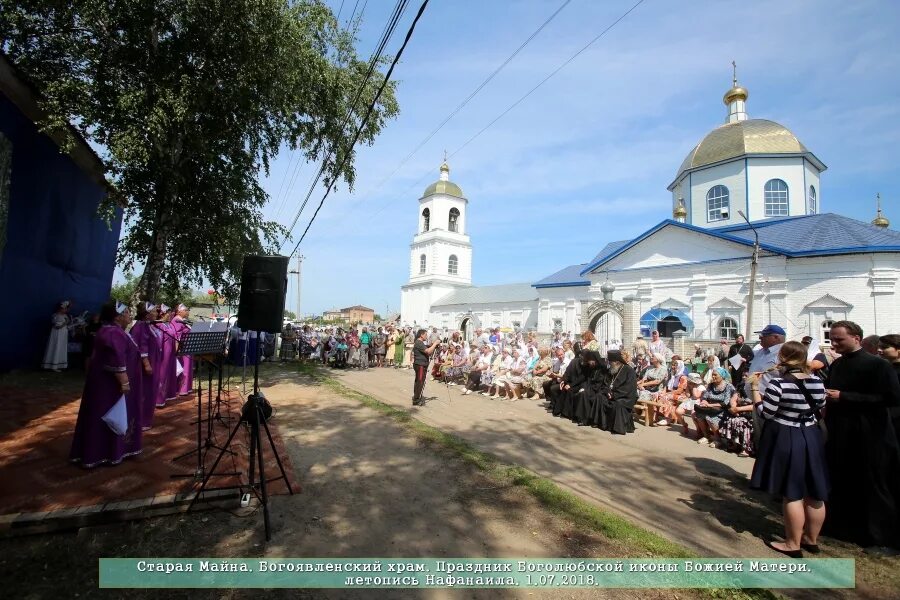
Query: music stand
{"points": [[194, 343]]}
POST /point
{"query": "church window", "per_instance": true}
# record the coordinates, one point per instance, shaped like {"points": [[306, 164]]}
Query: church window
{"points": [[422, 263], [812, 206], [557, 325], [826, 331], [776, 197], [453, 265], [717, 203], [426, 221], [454, 220], [728, 328]]}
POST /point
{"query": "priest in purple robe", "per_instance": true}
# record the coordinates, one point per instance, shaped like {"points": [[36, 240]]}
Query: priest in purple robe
{"points": [[114, 373], [150, 344]]}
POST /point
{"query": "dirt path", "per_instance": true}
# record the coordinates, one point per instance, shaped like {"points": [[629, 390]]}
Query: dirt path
{"points": [[369, 490], [696, 496]]}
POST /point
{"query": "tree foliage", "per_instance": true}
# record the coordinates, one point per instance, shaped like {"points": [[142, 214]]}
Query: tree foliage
{"points": [[190, 100]]}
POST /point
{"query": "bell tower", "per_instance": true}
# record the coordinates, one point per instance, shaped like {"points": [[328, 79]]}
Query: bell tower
{"points": [[440, 256]]}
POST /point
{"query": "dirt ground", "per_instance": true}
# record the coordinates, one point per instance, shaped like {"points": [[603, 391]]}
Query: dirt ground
{"points": [[369, 490]]}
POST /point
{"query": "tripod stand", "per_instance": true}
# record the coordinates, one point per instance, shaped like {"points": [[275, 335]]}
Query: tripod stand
{"points": [[255, 412]]}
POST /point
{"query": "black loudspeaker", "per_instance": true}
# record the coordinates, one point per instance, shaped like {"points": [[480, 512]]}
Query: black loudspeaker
{"points": [[263, 286]]}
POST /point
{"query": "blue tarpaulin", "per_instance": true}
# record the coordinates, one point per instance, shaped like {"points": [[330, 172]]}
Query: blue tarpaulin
{"points": [[651, 317], [57, 246]]}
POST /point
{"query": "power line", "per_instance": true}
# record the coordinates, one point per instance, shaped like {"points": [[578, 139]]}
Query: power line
{"points": [[527, 94], [365, 120], [287, 173], [399, 8], [466, 100]]}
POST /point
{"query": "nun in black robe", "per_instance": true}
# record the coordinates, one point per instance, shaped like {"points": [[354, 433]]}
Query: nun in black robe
{"points": [[572, 382], [617, 405], [587, 397]]}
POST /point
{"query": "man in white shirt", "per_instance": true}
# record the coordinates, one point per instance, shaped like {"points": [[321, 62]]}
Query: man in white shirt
{"points": [[770, 339]]}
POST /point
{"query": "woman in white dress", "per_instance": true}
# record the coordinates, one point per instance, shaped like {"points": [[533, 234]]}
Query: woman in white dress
{"points": [[57, 352]]}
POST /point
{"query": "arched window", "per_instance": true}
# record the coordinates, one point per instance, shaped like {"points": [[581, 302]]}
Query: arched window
{"points": [[454, 219], [776, 196], [717, 203], [728, 328], [422, 263], [453, 265], [826, 331], [812, 206], [426, 220]]}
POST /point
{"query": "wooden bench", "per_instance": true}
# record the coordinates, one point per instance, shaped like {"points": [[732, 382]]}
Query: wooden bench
{"points": [[645, 408]]}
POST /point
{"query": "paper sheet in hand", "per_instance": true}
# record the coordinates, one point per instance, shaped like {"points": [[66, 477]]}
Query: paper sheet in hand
{"points": [[178, 368], [813, 350], [736, 361], [116, 418]]}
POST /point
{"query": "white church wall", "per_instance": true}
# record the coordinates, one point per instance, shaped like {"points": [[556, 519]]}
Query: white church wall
{"points": [[561, 306], [849, 280], [672, 246], [731, 175], [788, 169], [504, 315]]}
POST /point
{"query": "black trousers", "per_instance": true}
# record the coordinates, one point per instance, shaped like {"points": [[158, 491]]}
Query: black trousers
{"points": [[474, 381], [421, 372]]}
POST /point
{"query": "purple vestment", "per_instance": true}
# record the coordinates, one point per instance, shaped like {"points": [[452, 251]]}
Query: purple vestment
{"points": [[94, 442], [149, 341], [186, 379], [168, 379]]}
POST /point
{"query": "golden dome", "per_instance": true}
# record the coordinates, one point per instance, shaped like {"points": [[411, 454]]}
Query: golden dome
{"points": [[680, 211], [444, 185], [735, 93], [732, 140]]}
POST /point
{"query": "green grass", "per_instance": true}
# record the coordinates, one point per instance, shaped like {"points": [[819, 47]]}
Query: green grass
{"points": [[639, 541]]}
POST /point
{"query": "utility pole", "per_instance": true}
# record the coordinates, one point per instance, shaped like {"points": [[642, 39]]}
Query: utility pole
{"points": [[298, 273], [748, 326]]}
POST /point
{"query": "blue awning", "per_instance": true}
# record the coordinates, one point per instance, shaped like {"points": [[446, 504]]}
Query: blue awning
{"points": [[651, 317]]}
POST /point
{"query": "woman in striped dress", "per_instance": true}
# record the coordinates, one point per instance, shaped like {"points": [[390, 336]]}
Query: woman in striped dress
{"points": [[791, 457]]}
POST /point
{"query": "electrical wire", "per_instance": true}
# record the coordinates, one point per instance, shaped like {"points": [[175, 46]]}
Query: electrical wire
{"points": [[465, 101], [399, 8], [387, 78], [287, 174], [526, 95]]}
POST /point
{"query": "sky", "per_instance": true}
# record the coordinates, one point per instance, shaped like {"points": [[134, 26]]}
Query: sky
{"points": [[586, 158]]}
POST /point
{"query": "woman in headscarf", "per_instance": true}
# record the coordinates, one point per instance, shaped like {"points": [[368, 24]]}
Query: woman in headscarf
{"points": [[150, 344], [674, 392], [712, 363], [168, 376], [186, 379], [708, 411], [617, 404], [540, 371], [398, 348], [115, 371], [56, 354]]}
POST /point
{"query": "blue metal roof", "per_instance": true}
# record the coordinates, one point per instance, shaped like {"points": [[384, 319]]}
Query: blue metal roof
{"points": [[821, 234], [567, 277], [608, 249], [810, 235]]}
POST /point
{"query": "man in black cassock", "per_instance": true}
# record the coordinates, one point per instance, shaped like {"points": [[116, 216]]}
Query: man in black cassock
{"points": [[861, 448], [617, 405]]}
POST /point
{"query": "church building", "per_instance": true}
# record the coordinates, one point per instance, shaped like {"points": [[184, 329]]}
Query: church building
{"points": [[748, 193]]}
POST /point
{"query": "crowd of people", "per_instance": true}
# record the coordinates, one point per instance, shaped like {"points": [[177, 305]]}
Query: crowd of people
{"points": [[822, 425]]}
